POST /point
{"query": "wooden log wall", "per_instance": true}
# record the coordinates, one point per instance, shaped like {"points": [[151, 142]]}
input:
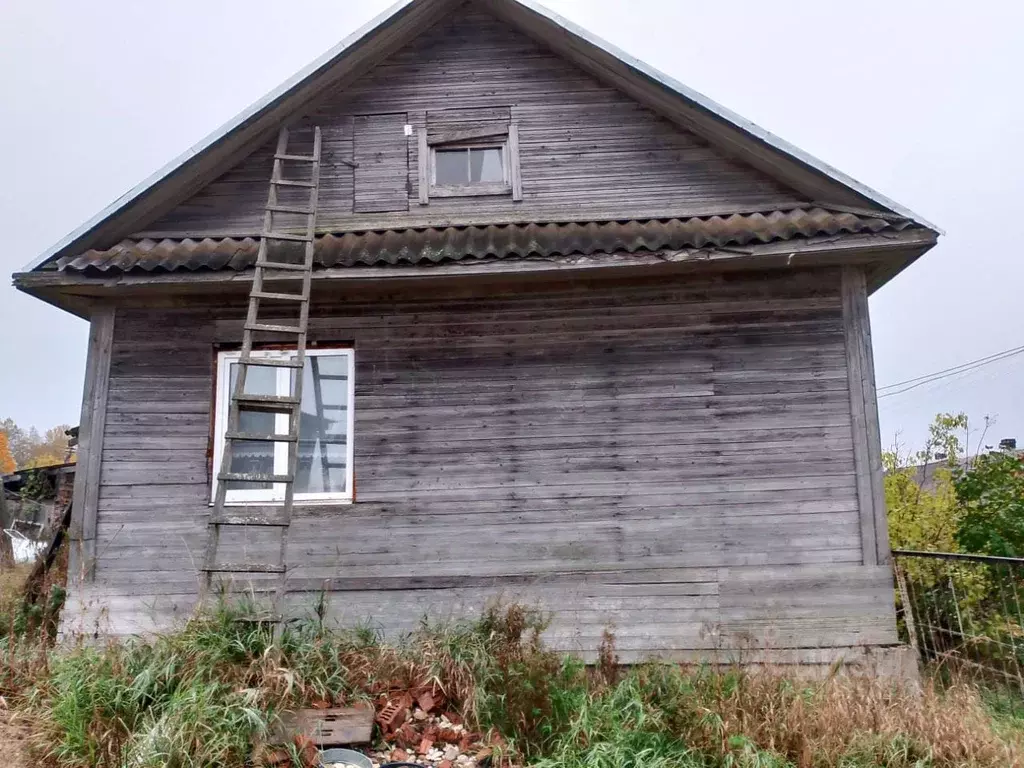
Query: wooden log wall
{"points": [[673, 458], [587, 151]]}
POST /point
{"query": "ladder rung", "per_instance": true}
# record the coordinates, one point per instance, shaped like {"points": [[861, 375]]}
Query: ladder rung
{"points": [[259, 618], [253, 477], [261, 588], [292, 183], [273, 403], [268, 362], [334, 377], [327, 440], [290, 209], [271, 295], [262, 437], [247, 519], [298, 158], [286, 236], [244, 568], [272, 328], [282, 265]]}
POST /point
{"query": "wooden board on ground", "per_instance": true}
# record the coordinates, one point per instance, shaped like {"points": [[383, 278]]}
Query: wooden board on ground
{"points": [[336, 727]]}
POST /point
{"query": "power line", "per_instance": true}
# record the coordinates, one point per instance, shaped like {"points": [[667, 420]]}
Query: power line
{"points": [[955, 368], [948, 375], [905, 386]]}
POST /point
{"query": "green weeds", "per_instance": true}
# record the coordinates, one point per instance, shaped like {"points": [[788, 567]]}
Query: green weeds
{"points": [[205, 695]]}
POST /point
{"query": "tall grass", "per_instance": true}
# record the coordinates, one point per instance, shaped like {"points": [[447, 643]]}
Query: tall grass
{"points": [[25, 631], [205, 695], [662, 716], [202, 696], [193, 698]]}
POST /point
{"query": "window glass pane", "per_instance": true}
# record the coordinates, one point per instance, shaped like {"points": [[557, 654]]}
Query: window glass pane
{"points": [[451, 166], [485, 164], [323, 447], [248, 455]]}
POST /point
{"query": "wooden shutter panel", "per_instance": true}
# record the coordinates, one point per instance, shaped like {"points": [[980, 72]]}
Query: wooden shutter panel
{"points": [[382, 159]]}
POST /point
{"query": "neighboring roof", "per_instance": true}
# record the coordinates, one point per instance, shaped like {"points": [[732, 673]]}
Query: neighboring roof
{"points": [[400, 24], [17, 479], [414, 246]]}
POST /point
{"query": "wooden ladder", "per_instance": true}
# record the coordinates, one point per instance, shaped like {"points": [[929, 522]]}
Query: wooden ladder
{"points": [[269, 270]]}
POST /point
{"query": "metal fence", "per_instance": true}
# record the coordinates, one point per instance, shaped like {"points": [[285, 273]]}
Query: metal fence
{"points": [[964, 612]]}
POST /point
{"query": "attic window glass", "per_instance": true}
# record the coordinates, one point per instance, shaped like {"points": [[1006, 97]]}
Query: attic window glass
{"points": [[325, 431], [469, 165]]}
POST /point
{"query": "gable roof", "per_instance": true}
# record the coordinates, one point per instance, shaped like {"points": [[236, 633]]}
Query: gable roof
{"points": [[396, 27]]}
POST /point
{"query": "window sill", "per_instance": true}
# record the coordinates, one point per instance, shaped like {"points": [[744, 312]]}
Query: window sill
{"points": [[334, 502], [471, 190]]}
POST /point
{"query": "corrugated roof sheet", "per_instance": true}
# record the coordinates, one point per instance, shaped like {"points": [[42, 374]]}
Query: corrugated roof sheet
{"points": [[433, 245]]}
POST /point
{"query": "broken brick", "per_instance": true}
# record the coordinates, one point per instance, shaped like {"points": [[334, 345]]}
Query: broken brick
{"points": [[309, 755], [449, 735], [406, 736], [425, 701]]}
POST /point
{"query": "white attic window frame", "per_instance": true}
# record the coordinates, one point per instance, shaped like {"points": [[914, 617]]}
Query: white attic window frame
{"points": [[275, 494], [484, 136]]}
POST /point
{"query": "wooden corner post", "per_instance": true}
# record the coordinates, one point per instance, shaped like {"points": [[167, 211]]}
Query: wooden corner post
{"points": [[867, 445], [85, 505]]}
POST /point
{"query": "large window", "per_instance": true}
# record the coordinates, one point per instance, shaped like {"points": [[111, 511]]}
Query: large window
{"points": [[325, 430]]}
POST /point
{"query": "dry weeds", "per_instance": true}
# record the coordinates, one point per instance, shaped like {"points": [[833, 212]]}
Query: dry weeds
{"points": [[858, 721]]}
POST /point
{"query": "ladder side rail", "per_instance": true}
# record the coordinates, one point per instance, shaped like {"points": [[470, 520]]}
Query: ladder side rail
{"points": [[234, 417], [299, 373]]}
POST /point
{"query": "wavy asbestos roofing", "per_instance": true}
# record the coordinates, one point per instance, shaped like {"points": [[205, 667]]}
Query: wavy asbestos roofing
{"points": [[441, 244], [339, 52]]}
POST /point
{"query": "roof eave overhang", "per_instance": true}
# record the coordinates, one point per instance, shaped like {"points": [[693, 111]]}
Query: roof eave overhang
{"points": [[359, 52], [882, 255]]}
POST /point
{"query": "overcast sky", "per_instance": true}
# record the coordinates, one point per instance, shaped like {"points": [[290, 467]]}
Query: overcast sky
{"points": [[920, 100]]}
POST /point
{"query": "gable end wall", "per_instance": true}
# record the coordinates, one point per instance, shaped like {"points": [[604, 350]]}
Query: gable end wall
{"points": [[587, 151]]}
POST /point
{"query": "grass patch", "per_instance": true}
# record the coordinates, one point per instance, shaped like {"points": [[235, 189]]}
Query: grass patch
{"points": [[664, 716], [203, 696]]}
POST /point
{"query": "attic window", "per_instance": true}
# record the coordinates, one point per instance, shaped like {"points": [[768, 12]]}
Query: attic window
{"points": [[470, 161], [455, 166]]}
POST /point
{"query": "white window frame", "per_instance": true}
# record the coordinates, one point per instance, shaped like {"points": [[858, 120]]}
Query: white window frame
{"points": [[222, 401]]}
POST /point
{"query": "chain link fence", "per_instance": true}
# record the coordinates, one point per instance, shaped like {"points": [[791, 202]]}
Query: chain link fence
{"points": [[964, 612]]}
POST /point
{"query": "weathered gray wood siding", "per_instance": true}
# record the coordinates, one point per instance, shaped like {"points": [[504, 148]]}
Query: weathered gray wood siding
{"points": [[587, 151], [673, 458]]}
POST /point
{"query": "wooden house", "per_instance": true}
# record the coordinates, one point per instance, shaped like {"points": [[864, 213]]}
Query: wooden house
{"points": [[578, 336]]}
